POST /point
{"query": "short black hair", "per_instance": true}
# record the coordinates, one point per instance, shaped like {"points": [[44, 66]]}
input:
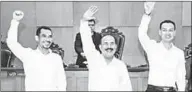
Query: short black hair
{"points": [[92, 20], [167, 21], [42, 27]]}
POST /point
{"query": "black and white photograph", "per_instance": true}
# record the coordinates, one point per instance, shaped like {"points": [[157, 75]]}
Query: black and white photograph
{"points": [[96, 46]]}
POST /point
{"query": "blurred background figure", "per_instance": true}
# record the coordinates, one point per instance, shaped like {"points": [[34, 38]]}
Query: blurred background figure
{"points": [[81, 59]]}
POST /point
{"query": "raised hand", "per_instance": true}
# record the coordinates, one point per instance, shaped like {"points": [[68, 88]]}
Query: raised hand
{"points": [[18, 15], [90, 12], [149, 6]]}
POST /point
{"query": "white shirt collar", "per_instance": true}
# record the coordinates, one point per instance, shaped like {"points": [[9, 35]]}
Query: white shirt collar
{"points": [[112, 61], [38, 51], [172, 46]]}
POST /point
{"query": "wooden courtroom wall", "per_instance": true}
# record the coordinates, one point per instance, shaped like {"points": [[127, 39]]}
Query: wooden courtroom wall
{"points": [[63, 18]]}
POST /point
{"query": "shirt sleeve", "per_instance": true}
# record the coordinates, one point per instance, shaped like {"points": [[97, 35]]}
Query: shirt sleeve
{"points": [[181, 73], [125, 82], [12, 42], [144, 39], [61, 76], [91, 53]]}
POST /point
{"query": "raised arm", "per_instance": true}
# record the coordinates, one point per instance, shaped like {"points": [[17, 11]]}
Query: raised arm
{"points": [[144, 39], [12, 39], [88, 46]]}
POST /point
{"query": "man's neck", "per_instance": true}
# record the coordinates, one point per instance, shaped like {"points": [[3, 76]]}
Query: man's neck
{"points": [[167, 45], [108, 60], [43, 50]]}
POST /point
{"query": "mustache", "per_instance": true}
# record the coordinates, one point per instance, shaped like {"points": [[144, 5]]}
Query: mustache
{"points": [[109, 49]]}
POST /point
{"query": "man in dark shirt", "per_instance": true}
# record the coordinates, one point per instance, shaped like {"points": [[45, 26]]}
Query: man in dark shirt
{"points": [[78, 44]]}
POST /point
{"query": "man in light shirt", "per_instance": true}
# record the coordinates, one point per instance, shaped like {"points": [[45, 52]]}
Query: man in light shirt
{"points": [[43, 69], [106, 73], [166, 61]]}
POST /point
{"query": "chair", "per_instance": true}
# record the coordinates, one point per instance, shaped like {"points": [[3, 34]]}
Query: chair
{"points": [[120, 38], [6, 55], [56, 49]]}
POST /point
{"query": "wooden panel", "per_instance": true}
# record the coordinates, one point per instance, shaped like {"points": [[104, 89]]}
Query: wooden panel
{"points": [[70, 80], [134, 60], [144, 83], [26, 28], [70, 86], [139, 80], [54, 13], [81, 79], [144, 78], [187, 36], [186, 14], [76, 81], [22, 83], [133, 52], [134, 83], [64, 38], [8, 84], [132, 45], [102, 15], [125, 13]]}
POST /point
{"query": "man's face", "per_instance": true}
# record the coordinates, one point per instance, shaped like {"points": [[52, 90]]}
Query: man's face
{"points": [[45, 38], [91, 24], [108, 46], [167, 32]]}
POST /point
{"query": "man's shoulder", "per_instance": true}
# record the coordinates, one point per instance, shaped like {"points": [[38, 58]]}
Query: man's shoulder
{"points": [[55, 54], [120, 62], [178, 50]]}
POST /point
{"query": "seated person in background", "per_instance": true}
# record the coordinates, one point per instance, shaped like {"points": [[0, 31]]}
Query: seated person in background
{"points": [[78, 44]]}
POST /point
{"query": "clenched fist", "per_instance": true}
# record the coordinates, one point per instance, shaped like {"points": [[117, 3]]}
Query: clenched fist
{"points": [[18, 15], [149, 6]]}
